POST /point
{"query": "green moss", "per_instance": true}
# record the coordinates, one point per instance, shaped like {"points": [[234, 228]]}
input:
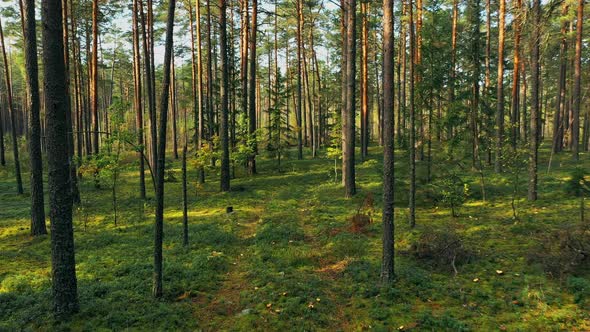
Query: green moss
{"points": [[286, 256]]}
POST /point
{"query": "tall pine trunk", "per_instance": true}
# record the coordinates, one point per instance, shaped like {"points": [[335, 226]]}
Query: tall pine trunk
{"points": [[149, 85], [73, 169], [364, 81], [452, 77], [94, 78], [34, 140], [299, 101], [387, 264], [12, 114], [535, 112], [577, 97], [559, 116], [412, 115], [63, 275], [224, 90], [500, 89], [252, 89], [137, 100], [348, 129], [515, 100], [161, 164]]}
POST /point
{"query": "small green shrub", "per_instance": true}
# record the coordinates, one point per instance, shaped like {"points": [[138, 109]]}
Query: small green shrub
{"points": [[279, 233], [580, 287], [445, 322], [452, 191]]}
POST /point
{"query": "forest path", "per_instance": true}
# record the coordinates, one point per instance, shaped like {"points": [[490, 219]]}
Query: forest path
{"points": [[225, 301]]}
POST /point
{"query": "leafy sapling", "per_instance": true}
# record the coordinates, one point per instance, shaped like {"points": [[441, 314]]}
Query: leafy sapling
{"points": [[579, 186], [334, 151], [515, 162], [453, 192]]}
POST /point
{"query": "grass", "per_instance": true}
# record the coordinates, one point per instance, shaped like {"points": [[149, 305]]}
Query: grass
{"points": [[287, 260]]}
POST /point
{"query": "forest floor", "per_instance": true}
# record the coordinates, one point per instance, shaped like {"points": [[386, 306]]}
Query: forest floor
{"points": [[288, 259]]}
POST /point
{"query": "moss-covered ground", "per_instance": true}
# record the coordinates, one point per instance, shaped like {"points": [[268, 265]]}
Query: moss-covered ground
{"points": [[286, 259]]}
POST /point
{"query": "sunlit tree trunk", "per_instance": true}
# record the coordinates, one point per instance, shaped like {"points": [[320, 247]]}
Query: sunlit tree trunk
{"points": [[94, 78], [210, 112], [577, 82], [402, 78], [299, 101], [348, 129], [500, 88], [522, 117], [387, 264], [34, 138], [200, 97], [184, 200], [174, 110], [412, 115], [364, 81], [474, 20], [515, 100], [77, 85], [488, 53], [535, 112], [252, 85], [244, 46], [558, 117], [12, 114]]}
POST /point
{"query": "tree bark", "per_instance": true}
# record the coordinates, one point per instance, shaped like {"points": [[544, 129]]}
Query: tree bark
{"points": [[500, 89], [197, 75], [12, 114], [184, 200], [453, 75], [94, 78], [387, 264], [412, 147], [365, 81], [559, 116], [474, 20], [161, 165], [73, 169], [515, 100], [36, 162], [298, 111], [224, 89], [487, 80], [252, 92], [138, 103], [77, 85], [174, 110], [60, 200], [348, 129], [244, 45], [534, 116], [150, 86], [577, 82], [2, 149], [201, 130]]}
